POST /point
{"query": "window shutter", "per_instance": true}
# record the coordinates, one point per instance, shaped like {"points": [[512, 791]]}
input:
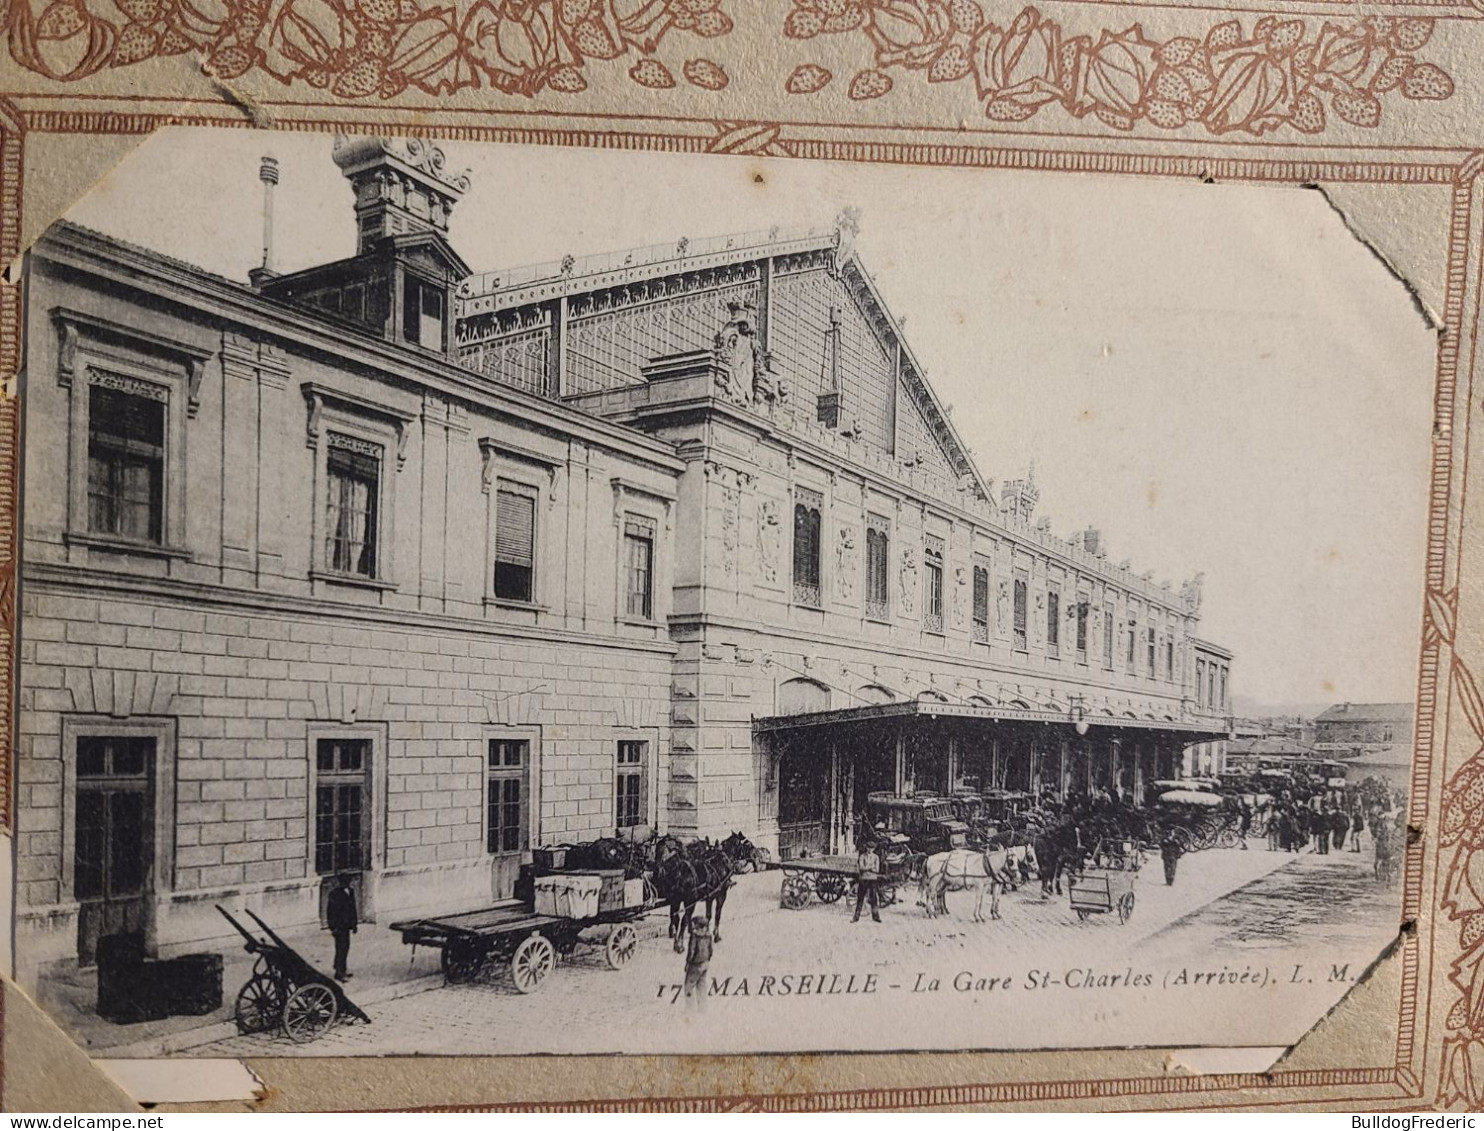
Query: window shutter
{"points": [[515, 528]]}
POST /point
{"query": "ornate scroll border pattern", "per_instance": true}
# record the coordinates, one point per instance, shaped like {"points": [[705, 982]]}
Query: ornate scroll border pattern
{"points": [[365, 48], [1279, 74]]}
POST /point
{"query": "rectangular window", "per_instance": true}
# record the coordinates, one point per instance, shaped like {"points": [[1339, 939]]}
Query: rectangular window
{"points": [[807, 506], [114, 820], [932, 599], [878, 554], [505, 795], [1082, 628], [1221, 690], [1200, 683], [639, 558], [981, 604], [1020, 613], [515, 545], [342, 805], [1149, 646], [353, 471], [1108, 639], [126, 465], [1053, 621], [1129, 642], [1169, 657], [630, 805], [422, 313]]}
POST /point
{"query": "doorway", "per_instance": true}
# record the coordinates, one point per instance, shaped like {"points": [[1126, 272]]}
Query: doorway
{"points": [[114, 847]]}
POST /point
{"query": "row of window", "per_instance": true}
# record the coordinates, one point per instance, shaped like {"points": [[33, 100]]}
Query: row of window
{"points": [[126, 493], [1160, 659], [114, 824], [1210, 685]]}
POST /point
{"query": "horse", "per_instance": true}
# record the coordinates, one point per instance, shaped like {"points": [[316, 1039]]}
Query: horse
{"points": [[1057, 853], [685, 875], [963, 869]]}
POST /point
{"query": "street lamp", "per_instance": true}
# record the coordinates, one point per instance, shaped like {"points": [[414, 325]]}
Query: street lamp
{"points": [[1078, 714]]}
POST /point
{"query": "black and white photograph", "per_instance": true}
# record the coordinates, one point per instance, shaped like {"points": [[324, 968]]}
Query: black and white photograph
{"points": [[483, 599]]}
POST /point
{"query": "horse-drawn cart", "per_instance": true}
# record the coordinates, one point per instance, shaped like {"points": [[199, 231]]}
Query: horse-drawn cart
{"points": [[1107, 885], [285, 991], [524, 942], [828, 878]]}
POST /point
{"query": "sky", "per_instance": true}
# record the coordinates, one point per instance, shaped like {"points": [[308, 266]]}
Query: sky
{"points": [[1220, 378]]}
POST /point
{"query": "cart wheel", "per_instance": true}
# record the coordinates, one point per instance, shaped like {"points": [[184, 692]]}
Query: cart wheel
{"points": [[795, 892], [1082, 913], [309, 1011], [460, 963], [1228, 838], [532, 963], [887, 893], [259, 1005], [1126, 907], [828, 887], [623, 941]]}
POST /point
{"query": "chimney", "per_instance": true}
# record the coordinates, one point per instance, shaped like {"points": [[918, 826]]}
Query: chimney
{"points": [[268, 174], [1092, 541]]}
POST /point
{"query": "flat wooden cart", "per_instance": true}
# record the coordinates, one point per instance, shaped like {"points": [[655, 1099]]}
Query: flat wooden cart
{"points": [[1107, 885], [478, 943], [828, 878]]}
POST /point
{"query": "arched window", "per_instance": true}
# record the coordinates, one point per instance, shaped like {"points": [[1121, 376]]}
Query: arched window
{"points": [[802, 697]]}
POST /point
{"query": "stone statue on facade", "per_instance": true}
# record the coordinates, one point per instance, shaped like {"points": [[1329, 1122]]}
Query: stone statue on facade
{"points": [[960, 589], [1190, 591], [1002, 607], [746, 373], [845, 563], [908, 580], [769, 541]]}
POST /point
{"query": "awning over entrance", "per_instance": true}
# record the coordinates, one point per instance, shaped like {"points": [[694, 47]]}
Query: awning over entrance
{"points": [[1195, 730]]}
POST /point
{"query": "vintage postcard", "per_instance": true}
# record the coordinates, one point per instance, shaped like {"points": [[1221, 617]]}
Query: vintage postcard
{"points": [[480, 597]]}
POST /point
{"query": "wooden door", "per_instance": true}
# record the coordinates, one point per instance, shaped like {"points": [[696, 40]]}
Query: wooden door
{"points": [[113, 859]]}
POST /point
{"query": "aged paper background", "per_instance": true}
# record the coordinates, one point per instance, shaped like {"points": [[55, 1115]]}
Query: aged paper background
{"points": [[1353, 1058]]}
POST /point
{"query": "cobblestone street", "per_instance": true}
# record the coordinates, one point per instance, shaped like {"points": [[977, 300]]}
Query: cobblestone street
{"points": [[1189, 962]]}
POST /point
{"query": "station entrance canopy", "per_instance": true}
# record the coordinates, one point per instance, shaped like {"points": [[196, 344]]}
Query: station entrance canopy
{"points": [[824, 764]]}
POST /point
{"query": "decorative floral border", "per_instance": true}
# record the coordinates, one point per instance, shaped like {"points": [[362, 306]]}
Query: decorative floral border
{"points": [[1279, 74], [361, 48]]}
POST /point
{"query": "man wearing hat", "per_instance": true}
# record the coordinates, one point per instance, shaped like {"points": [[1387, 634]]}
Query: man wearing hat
{"points": [[342, 917], [867, 873]]}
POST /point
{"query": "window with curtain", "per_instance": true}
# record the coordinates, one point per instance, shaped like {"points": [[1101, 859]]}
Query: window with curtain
{"points": [[515, 545], [353, 476], [807, 544], [932, 601], [981, 604], [638, 541], [126, 464], [878, 553], [1020, 613]]}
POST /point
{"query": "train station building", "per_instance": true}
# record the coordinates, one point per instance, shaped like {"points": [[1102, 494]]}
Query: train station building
{"points": [[391, 568]]}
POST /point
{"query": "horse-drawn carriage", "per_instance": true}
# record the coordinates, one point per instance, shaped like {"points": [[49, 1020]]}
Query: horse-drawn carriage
{"points": [[284, 991], [928, 822], [1197, 820]]}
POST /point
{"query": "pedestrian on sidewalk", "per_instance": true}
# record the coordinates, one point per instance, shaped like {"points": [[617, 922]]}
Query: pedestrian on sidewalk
{"points": [[698, 964], [1339, 825], [1244, 824], [867, 874], [1170, 851], [1321, 832], [1357, 826], [342, 918]]}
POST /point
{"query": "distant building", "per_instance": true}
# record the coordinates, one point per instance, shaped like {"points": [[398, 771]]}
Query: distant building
{"points": [[1374, 738]]}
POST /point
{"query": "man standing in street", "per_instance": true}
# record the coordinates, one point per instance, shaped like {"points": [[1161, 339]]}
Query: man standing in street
{"points": [[342, 917], [1169, 851], [698, 963], [867, 873]]}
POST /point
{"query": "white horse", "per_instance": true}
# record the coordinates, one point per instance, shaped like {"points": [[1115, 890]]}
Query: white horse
{"points": [[966, 869]]}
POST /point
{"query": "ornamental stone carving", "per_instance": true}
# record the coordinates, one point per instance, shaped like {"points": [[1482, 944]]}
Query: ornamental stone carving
{"points": [[769, 541], [907, 589], [846, 562]]}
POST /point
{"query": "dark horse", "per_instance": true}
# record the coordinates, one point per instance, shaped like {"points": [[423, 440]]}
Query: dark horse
{"points": [[688, 874], [1058, 852]]}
